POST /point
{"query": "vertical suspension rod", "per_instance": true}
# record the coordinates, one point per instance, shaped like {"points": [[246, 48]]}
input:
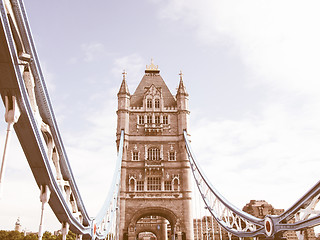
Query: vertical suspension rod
{"points": [[12, 115], [44, 198]]}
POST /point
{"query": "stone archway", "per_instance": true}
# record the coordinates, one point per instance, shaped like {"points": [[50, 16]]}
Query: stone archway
{"points": [[134, 229]]}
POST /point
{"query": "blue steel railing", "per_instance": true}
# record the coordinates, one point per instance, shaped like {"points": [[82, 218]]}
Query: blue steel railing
{"points": [[38, 132]]}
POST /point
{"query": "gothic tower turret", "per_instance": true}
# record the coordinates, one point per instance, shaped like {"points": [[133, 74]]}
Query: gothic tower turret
{"points": [[123, 106], [182, 106]]}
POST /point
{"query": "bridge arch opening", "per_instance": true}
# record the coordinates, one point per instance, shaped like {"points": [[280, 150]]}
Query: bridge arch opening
{"points": [[161, 222]]}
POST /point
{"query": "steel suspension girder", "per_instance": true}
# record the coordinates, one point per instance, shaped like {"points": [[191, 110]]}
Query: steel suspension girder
{"points": [[298, 217], [37, 128]]}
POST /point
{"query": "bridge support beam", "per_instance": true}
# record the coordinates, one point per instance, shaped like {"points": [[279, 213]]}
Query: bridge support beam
{"points": [[44, 198]]}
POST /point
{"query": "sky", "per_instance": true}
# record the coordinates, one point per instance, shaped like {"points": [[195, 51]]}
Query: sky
{"points": [[251, 69]]}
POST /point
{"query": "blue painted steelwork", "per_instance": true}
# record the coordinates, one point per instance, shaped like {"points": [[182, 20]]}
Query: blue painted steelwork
{"points": [[38, 133], [297, 218]]}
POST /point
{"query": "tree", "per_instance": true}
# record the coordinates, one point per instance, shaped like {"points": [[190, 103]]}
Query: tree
{"points": [[15, 235], [11, 235], [32, 236], [3, 234]]}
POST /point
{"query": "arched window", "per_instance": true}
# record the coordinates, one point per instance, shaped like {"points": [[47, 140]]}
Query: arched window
{"points": [[175, 184], [153, 154], [157, 103], [149, 103], [132, 185]]}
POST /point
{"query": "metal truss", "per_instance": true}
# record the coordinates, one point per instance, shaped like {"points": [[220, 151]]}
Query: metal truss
{"points": [[302, 215], [39, 135]]}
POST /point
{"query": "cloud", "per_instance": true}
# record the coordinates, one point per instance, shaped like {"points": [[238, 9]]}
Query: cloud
{"points": [[261, 153], [272, 152], [134, 66], [92, 153], [277, 40], [92, 51]]}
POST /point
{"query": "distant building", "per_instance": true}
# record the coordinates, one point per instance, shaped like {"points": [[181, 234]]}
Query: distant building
{"points": [[260, 208], [207, 228], [17, 226]]}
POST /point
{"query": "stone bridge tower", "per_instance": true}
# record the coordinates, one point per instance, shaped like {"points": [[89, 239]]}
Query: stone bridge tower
{"points": [[155, 191]]}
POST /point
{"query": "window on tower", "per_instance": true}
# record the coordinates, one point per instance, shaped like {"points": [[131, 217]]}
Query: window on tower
{"points": [[167, 185], [149, 119], [172, 156], [157, 103], [157, 119], [154, 184], [141, 119], [140, 186], [153, 154], [165, 119], [149, 103], [135, 156]]}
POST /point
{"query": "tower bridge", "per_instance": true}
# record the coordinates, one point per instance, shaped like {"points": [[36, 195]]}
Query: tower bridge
{"points": [[151, 192], [155, 173]]}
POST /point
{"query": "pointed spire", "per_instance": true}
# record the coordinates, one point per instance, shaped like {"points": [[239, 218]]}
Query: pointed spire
{"points": [[181, 88], [124, 87]]}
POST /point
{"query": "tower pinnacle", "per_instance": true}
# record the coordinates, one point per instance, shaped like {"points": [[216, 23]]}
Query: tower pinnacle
{"points": [[124, 74], [181, 74], [181, 88], [124, 87]]}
